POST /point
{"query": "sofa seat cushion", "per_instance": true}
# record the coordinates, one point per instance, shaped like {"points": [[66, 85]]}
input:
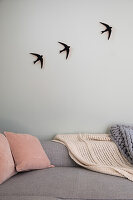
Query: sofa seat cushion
{"points": [[29, 198], [33, 198], [67, 182]]}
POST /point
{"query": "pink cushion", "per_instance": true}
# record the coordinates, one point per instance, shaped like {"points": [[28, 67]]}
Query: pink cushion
{"points": [[7, 166], [27, 152]]}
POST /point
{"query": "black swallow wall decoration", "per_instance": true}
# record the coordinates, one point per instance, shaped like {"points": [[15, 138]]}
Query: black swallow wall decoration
{"points": [[39, 58], [66, 48], [108, 28]]}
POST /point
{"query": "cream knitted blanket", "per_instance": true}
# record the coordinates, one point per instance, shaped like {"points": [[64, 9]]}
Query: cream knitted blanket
{"points": [[96, 152]]}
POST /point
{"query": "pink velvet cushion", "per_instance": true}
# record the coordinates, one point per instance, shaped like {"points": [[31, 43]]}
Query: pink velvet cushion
{"points": [[27, 152], [7, 166]]}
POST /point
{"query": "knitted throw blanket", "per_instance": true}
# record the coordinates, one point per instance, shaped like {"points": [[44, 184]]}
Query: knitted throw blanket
{"points": [[96, 152], [123, 138]]}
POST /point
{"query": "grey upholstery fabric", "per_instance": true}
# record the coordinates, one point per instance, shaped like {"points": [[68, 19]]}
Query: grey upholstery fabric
{"points": [[27, 198], [57, 154], [67, 182], [42, 198]]}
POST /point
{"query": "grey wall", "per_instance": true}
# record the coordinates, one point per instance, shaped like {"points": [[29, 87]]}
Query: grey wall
{"points": [[86, 93]]}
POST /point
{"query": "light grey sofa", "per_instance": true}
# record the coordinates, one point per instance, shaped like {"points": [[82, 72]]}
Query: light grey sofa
{"points": [[66, 181]]}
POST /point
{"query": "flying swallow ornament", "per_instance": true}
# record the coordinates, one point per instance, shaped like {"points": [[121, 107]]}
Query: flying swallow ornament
{"points": [[39, 58], [108, 29], [66, 48]]}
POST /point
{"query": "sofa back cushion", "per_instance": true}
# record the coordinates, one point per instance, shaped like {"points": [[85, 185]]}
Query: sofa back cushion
{"points": [[7, 167], [27, 152], [58, 154]]}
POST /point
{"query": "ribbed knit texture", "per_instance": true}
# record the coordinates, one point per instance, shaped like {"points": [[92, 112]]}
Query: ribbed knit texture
{"points": [[96, 152], [123, 137]]}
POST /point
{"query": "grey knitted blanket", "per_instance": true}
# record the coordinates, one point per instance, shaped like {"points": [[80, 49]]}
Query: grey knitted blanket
{"points": [[123, 137]]}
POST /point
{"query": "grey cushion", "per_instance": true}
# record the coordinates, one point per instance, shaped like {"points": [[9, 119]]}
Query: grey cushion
{"points": [[67, 182], [57, 154]]}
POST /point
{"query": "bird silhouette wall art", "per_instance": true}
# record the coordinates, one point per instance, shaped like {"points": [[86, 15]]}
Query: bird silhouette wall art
{"points": [[66, 48], [39, 58], [108, 29]]}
